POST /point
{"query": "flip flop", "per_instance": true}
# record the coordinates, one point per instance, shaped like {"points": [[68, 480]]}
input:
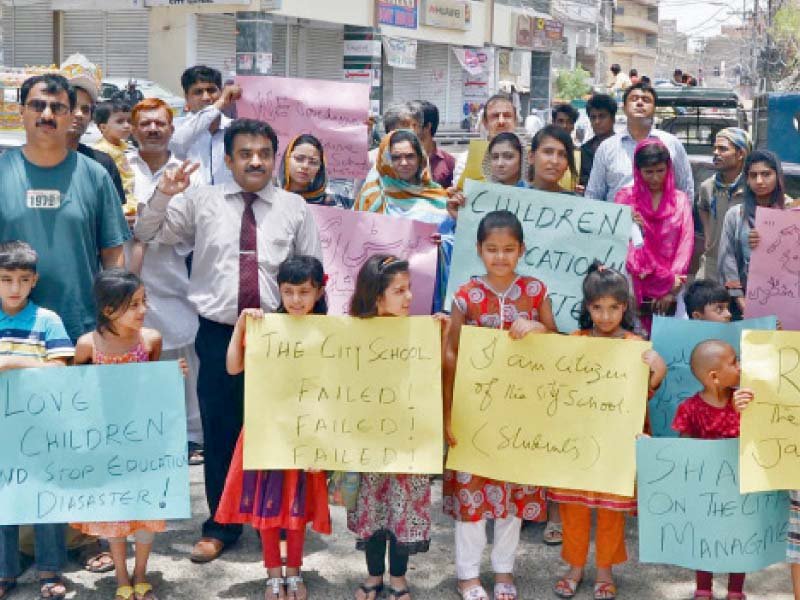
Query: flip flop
{"points": [[397, 594], [126, 592], [605, 590], [553, 534], [567, 588], [503, 588], [102, 562], [48, 586], [144, 591], [476, 592], [369, 589]]}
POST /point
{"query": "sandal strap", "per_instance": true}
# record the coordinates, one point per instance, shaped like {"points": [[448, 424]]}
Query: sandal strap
{"points": [[275, 583], [399, 593], [604, 590], [125, 591], [476, 592], [368, 589], [566, 587], [142, 588], [503, 588], [292, 581]]}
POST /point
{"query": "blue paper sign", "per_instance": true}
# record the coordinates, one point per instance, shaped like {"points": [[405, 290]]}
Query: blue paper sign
{"points": [[691, 513], [93, 443], [398, 13], [564, 234], [674, 339]]}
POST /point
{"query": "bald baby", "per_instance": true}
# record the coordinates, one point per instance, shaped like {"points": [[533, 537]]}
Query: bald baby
{"points": [[711, 355]]}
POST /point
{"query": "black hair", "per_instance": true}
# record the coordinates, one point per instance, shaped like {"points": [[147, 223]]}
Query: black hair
{"points": [[430, 116], [406, 135], [615, 68], [566, 109], [778, 196], [373, 279], [603, 281], [677, 72], [500, 219], [113, 292], [249, 127], [299, 269], [54, 84], [200, 74], [496, 98], [646, 80], [702, 292], [633, 73], [643, 86], [602, 102], [104, 110], [651, 155], [16, 255], [558, 134], [508, 138]]}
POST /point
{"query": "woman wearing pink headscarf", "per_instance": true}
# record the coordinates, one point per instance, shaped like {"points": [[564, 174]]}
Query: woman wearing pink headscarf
{"points": [[659, 264]]}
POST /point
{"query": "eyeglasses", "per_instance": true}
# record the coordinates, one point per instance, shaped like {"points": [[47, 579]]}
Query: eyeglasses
{"points": [[302, 160], [398, 158], [39, 106]]}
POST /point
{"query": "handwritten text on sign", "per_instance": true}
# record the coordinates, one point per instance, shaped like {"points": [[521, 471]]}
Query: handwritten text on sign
{"points": [[674, 339], [93, 443], [773, 282], [691, 513], [350, 238], [343, 394], [333, 111], [770, 436], [548, 409], [563, 235]]}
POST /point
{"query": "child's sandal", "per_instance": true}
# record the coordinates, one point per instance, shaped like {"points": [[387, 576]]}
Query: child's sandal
{"points": [[605, 590], [275, 586], [144, 591], [293, 588], [48, 588], [504, 588], [124, 592], [566, 587], [553, 534]]}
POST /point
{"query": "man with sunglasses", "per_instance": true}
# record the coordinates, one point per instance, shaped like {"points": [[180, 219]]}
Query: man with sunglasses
{"points": [[84, 77], [61, 203]]}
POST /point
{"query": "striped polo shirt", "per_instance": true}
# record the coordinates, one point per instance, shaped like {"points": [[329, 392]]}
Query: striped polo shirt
{"points": [[34, 332]]}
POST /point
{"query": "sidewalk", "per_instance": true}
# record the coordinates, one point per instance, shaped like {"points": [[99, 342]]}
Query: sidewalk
{"points": [[333, 568]]}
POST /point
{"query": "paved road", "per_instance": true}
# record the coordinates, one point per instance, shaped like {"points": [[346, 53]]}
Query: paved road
{"points": [[333, 568]]}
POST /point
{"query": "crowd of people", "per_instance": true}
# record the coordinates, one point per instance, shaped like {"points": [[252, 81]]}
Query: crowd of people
{"points": [[162, 248]]}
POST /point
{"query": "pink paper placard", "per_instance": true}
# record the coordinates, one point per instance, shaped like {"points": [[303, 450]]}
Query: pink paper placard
{"points": [[773, 283], [349, 238], [335, 112]]}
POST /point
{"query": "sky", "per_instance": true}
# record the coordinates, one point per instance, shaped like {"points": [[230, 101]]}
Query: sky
{"points": [[702, 18]]}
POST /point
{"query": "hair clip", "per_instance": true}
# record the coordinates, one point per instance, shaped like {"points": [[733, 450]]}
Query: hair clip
{"points": [[386, 262], [324, 279]]}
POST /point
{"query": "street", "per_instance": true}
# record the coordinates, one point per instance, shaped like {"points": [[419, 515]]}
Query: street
{"points": [[333, 568]]}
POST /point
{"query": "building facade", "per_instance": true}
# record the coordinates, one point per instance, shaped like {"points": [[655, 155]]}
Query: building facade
{"points": [[634, 43]]}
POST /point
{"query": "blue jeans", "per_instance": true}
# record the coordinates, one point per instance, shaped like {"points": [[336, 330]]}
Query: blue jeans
{"points": [[51, 549]]}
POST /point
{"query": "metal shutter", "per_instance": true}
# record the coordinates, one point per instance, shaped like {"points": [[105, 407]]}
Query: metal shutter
{"points": [[28, 34], [216, 42], [127, 37], [84, 31], [323, 52], [283, 65], [455, 108], [429, 81]]}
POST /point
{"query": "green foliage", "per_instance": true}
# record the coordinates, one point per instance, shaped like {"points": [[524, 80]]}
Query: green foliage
{"points": [[573, 84]]}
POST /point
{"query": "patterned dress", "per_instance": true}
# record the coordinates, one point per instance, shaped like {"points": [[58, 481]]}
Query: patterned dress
{"points": [[119, 529], [468, 497]]}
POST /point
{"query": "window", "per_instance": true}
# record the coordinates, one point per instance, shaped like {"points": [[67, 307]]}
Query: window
{"points": [[652, 14], [619, 10], [619, 37], [652, 40]]}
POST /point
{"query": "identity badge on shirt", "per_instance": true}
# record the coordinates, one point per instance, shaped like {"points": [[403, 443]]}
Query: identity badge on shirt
{"points": [[44, 199]]}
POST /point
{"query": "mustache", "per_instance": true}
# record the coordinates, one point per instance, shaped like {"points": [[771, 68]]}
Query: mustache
{"points": [[46, 123], [254, 170]]}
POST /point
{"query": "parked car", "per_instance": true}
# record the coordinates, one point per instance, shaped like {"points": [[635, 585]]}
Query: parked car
{"points": [[150, 89]]}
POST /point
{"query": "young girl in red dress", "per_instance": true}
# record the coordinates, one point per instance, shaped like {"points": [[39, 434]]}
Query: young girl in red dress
{"points": [[607, 312], [504, 300], [271, 501]]}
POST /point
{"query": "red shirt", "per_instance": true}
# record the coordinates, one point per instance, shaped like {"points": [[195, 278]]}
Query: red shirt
{"points": [[696, 418], [442, 166]]}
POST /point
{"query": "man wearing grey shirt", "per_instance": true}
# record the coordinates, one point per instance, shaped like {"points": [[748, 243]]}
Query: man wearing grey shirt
{"points": [[613, 162], [240, 233]]}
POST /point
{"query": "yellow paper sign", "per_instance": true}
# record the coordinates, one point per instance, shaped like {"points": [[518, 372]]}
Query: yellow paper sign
{"points": [[769, 446], [475, 157], [343, 394], [549, 410]]}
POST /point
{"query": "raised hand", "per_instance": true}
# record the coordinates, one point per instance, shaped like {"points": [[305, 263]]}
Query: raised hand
{"points": [[177, 180]]}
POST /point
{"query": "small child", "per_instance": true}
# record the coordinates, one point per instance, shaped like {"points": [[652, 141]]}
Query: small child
{"points": [[707, 300], [500, 299], [713, 414], [120, 337], [606, 313], [30, 337], [113, 118], [277, 500], [391, 510]]}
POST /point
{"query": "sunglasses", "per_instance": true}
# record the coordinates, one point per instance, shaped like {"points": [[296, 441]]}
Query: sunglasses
{"points": [[39, 106]]}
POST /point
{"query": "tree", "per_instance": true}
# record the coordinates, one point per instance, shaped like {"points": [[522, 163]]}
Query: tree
{"points": [[573, 84]]}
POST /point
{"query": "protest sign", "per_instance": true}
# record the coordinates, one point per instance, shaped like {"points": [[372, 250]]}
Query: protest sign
{"points": [[769, 451], [334, 111], [349, 238], [93, 443], [343, 394], [558, 411], [674, 339], [473, 169], [691, 513], [563, 235], [401, 53], [773, 281]]}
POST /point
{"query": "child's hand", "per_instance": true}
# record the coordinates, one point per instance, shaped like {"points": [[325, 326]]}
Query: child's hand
{"points": [[753, 238], [742, 399], [441, 317], [522, 327], [658, 368], [637, 218], [456, 200], [183, 366], [448, 435], [255, 313]]}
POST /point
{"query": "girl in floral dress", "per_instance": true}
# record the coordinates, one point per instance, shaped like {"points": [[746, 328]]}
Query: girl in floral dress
{"points": [[504, 300], [120, 337]]}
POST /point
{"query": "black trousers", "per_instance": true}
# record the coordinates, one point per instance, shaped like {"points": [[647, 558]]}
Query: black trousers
{"points": [[221, 399], [375, 550]]}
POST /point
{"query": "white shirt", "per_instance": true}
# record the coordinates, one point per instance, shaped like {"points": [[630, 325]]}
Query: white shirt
{"points": [[209, 219], [164, 271], [193, 141]]}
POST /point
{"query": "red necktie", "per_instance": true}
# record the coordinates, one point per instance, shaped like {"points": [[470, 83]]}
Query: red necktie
{"points": [[249, 296]]}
